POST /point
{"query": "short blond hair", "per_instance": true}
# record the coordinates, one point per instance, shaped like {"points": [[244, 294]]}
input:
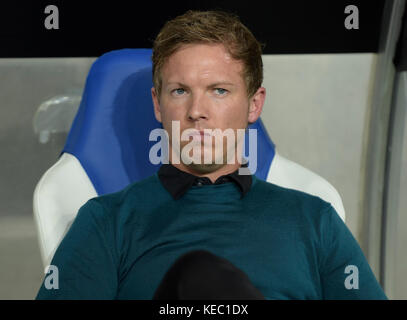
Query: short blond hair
{"points": [[210, 27]]}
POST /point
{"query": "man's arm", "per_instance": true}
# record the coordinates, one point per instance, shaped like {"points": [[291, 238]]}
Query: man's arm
{"points": [[345, 272], [86, 259]]}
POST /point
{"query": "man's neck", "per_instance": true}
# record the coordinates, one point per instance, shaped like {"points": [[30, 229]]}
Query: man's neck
{"points": [[214, 175]]}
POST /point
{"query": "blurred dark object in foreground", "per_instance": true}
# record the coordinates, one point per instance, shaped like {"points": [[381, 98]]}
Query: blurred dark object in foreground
{"points": [[200, 275]]}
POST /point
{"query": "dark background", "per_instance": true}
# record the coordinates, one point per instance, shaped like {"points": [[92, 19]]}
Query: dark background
{"points": [[89, 29]]}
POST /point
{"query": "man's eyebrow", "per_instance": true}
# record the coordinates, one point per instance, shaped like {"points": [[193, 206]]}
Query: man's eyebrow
{"points": [[212, 85], [176, 83], [221, 83]]}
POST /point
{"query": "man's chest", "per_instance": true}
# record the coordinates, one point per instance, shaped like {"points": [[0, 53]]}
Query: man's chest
{"points": [[279, 263]]}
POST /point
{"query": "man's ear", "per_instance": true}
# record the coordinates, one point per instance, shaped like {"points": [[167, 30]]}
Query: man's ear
{"points": [[256, 103], [156, 103]]}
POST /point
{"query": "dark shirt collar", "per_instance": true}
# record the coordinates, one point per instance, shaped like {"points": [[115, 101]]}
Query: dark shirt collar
{"points": [[177, 182]]}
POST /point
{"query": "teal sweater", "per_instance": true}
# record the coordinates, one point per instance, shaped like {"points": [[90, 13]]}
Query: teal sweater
{"points": [[290, 244]]}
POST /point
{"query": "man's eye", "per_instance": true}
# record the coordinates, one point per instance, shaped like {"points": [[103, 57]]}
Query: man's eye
{"points": [[178, 91], [220, 91]]}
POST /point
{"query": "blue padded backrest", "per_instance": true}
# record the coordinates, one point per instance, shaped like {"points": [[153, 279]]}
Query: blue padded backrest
{"points": [[110, 133]]}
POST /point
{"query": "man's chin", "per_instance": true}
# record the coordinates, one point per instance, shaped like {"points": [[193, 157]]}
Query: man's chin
{"points": [[204, 168]]}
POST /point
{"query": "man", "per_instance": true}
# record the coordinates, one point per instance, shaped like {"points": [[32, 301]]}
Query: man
{"points": [[276, 243]]}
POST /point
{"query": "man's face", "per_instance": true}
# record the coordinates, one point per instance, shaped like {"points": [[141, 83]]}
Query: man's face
{"points": [[203, 88]]}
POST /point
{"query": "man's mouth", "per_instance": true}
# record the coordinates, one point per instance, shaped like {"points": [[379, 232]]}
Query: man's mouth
{"points": [[200, 134]]}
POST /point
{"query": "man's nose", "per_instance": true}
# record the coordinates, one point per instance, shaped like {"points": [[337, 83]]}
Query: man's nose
{"points": [[197, 108]]}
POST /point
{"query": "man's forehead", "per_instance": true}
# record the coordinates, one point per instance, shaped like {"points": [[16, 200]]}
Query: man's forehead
{"points": [[199, 50], [209, 60]]}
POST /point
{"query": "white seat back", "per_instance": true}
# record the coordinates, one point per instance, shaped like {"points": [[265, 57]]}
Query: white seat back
{"points": [[59, 194]]}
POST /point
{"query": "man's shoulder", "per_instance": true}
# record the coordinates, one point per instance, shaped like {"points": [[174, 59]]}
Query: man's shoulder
{"points": [[291, 199], [284, 192], [139, 191]]}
